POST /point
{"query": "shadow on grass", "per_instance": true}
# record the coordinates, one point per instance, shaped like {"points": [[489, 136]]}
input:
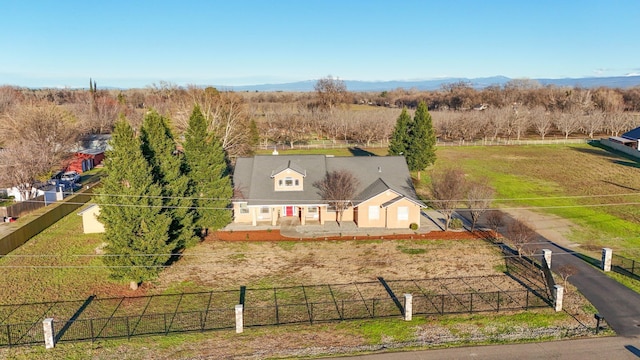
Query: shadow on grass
{"points": [[614, 155]]}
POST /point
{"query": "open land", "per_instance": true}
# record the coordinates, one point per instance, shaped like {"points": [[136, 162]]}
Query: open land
{"points": [[62, 264]]}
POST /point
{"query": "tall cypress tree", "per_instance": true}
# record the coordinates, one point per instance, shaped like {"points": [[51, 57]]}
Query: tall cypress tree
{"points": [[400, 136], [130, 208], [421, 148], [159, 148], [208, 169]]}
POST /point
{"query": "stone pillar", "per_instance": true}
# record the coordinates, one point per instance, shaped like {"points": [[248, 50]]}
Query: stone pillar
{"points": [[239, 319], [606, 259], [408, 307], [49, 341], [558, 294], [547, 256]]}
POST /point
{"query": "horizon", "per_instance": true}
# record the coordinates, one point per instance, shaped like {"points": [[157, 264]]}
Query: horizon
{"points": [[124, 44]]}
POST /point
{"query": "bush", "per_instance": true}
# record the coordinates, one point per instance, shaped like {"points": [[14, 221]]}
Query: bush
{"points": [[455, 224], [413, 226]]}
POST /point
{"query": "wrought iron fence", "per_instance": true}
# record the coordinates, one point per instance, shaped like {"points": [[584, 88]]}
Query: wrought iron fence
{"points": [[625, 266], [95, 319], [21, 334]]}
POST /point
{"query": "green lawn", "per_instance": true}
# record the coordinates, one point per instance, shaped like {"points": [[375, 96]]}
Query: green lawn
{"points": [[595, 189]]}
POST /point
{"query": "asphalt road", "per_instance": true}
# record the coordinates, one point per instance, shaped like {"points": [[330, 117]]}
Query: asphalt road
{"points": [[618, 348]]}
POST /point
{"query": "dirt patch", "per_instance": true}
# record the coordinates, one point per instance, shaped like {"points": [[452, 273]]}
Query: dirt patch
{"points": [[227, 265], [552, 227]]}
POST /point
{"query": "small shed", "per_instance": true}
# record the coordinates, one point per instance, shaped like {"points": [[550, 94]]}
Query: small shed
{"points": [[90, 223]]}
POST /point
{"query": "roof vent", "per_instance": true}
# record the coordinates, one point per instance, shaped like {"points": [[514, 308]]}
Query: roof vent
{"points": [[379, 169]]}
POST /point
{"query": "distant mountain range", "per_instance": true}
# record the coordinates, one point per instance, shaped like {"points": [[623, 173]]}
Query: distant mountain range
{"points": [[622, 82]]}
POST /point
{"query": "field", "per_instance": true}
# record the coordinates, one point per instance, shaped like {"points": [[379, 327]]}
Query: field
{"points": [[596, 190]]}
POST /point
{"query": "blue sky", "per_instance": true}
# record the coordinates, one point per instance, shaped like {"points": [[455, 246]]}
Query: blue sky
{"points": [[136, 43]]}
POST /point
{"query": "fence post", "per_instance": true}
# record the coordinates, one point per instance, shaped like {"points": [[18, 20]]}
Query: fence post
{"points": [[606, 259], [49, 341], [558, 292], [8, 334], [408, 307], [547, 257], [92, 332], [239, 318]]}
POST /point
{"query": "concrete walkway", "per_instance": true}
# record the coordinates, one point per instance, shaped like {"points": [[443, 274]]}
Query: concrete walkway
{"points": [[290, 227]]}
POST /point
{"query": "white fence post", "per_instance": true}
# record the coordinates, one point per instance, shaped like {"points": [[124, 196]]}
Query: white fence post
{"points": [[558, 294], [408, 307], [547, 256], [606, 259], [49, 341], [239, 319]]}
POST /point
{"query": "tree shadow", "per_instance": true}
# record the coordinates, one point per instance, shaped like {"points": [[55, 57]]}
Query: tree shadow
{"points": [[358, 151]]}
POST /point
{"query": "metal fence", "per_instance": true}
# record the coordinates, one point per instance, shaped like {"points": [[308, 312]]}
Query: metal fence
{"points": [[94, 319], [625, 266]]}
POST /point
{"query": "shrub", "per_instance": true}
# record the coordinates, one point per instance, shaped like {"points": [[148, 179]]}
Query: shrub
{"points": [[456, 224], [413, 226]]}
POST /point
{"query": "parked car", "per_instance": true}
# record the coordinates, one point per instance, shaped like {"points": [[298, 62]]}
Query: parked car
{"points": [[71, 176]]}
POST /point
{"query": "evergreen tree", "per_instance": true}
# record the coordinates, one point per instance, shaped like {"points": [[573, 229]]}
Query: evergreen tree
{"points": [[208, 169], [400, 136], [131, 211], [254, 136], [421, 148], [167, 167]]}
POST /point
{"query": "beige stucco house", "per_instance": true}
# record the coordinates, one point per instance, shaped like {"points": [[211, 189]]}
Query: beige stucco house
{"points": [[90, 223], [270, 187]]}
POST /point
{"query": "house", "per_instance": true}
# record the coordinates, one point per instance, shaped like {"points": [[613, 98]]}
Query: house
{"points": [[90, 223], [271, 187], [626, 143], [85, 160]]}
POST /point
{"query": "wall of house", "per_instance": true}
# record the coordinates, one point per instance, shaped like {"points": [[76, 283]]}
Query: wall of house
{"points": [[364, 210], [90, 223], [239, 216], [288, 174], [392, 215]]}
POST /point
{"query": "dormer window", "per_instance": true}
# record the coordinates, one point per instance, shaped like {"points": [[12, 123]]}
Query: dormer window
{"points": [[288, 182]]}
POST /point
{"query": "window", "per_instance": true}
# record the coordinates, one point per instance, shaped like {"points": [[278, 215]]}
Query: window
{"points": [[403, 213], [288, 181], [280, 182], [243, 208], [264, 210], [297, 182], [312, 210], [374, 212]]}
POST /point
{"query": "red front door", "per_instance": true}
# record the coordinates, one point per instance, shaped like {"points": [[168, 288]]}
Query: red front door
{"points": [[288, 211]]}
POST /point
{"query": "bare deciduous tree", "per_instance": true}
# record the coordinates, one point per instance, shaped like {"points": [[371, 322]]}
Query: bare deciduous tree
{"points": [[338, 188], [331, 91], [447, 188], [495, 220], [521, 235], [37, 140], [541, 121], [479, 198], [565, 271]]}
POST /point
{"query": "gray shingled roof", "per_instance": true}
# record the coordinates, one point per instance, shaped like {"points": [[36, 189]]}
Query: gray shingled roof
{"points": [[252, 177]]}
